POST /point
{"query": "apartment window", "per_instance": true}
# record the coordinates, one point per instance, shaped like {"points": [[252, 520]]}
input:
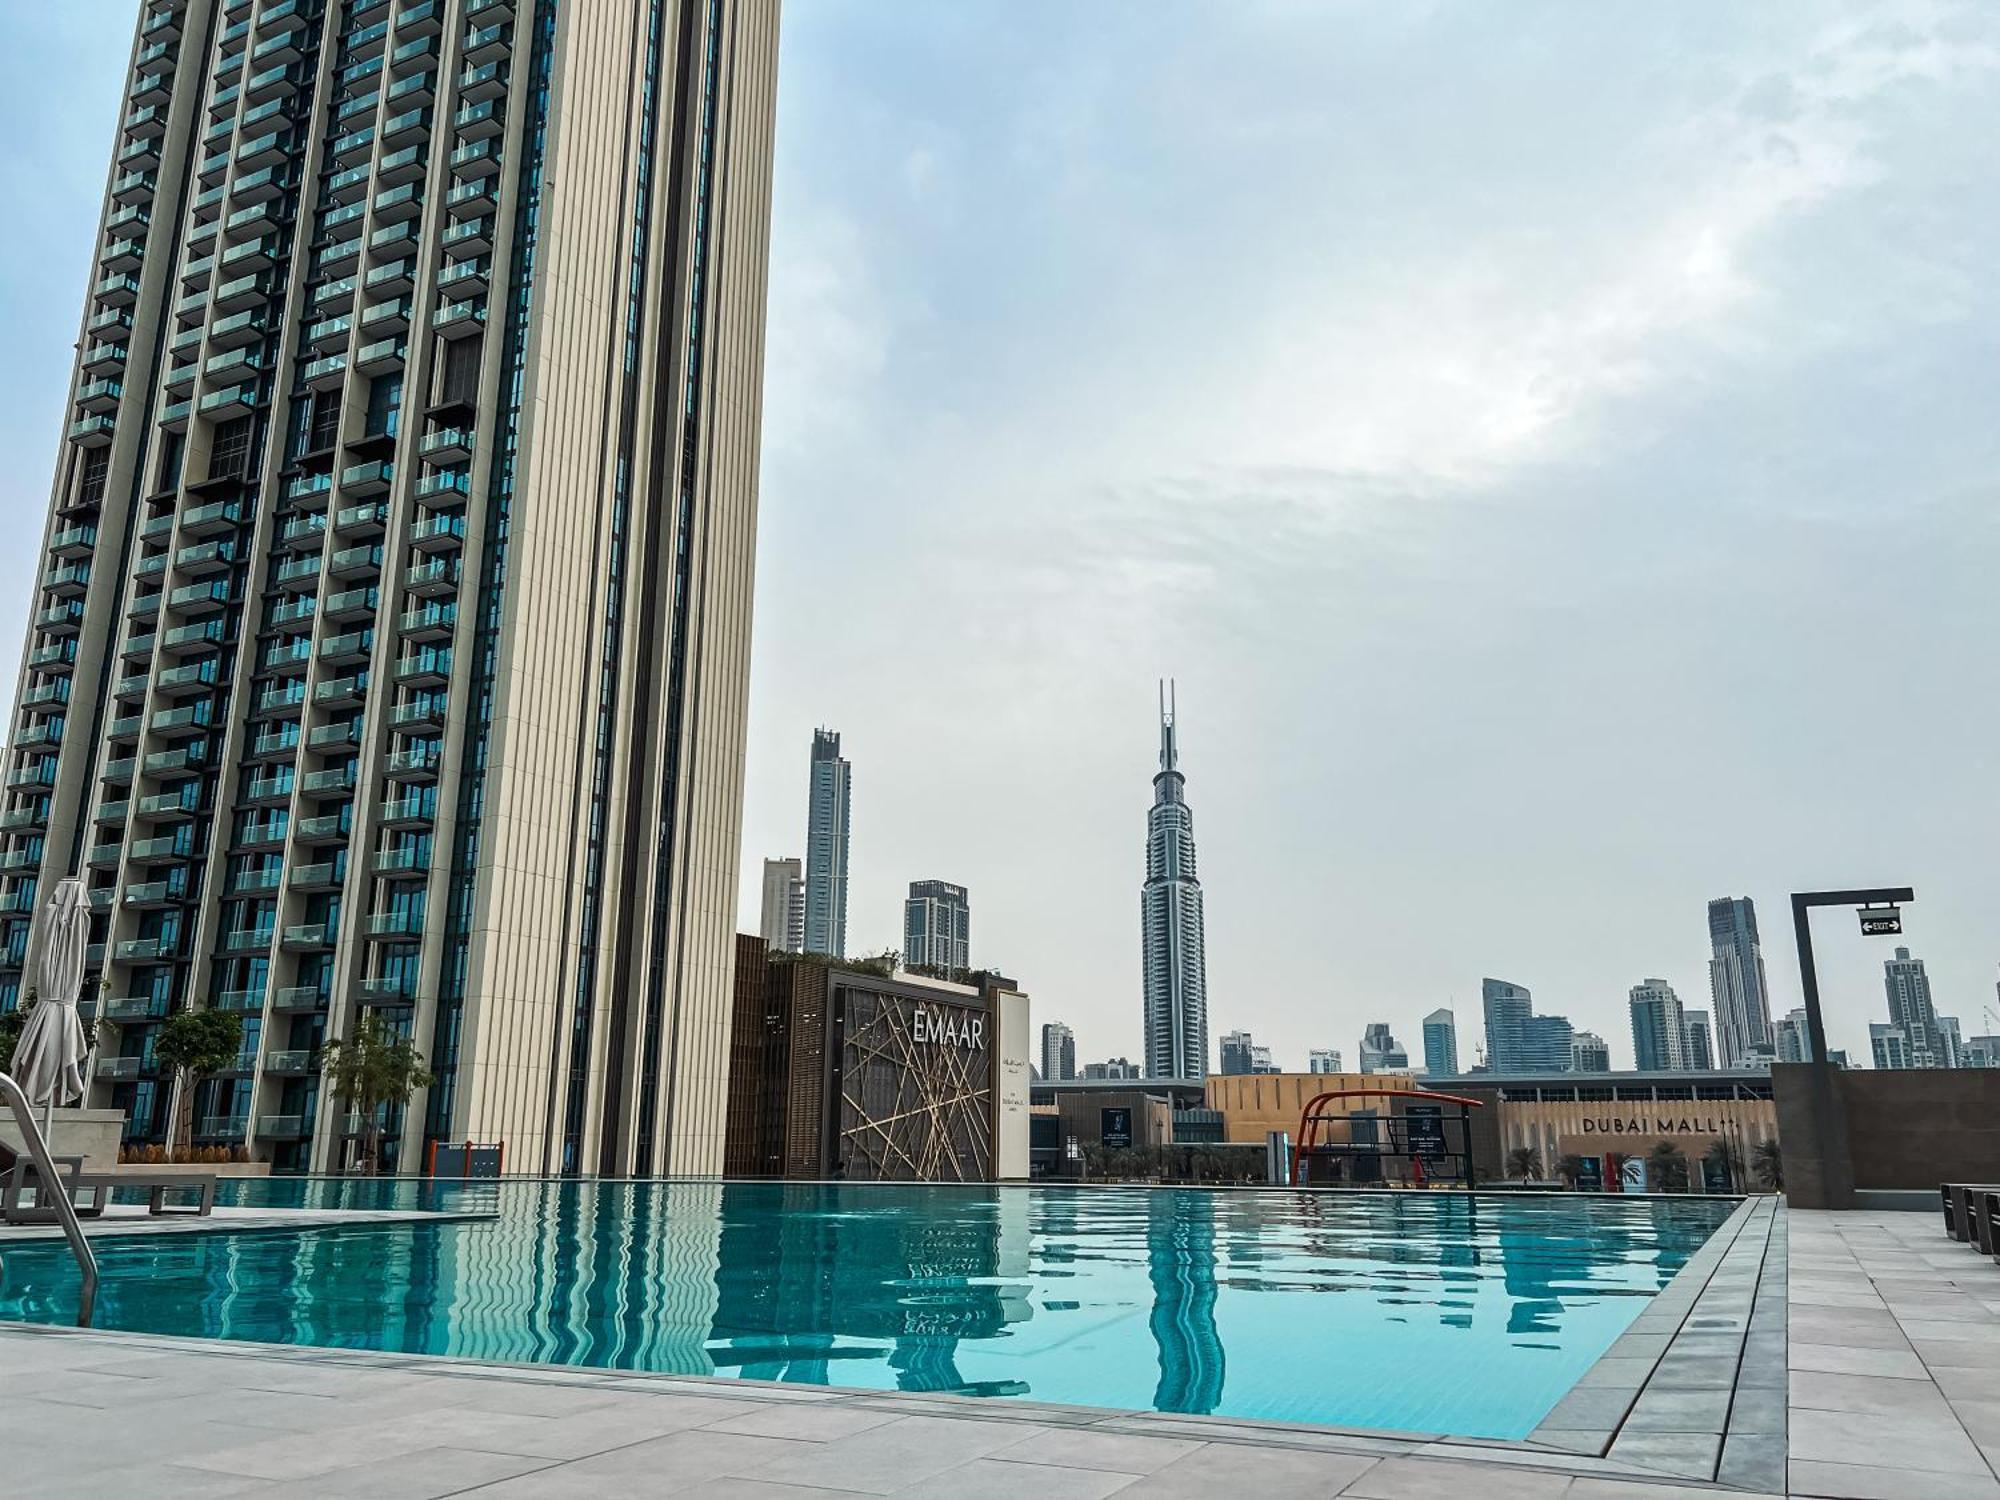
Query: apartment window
{"points": [[229, 455], [173, 447], [325, 429], [90, 483], [385, 403], [458, 378]]}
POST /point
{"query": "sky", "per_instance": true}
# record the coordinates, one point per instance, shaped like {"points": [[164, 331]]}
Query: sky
{"points": [[1551, 446]]}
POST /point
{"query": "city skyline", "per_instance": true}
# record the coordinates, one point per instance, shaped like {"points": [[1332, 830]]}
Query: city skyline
{"points": [[1500, 544]]}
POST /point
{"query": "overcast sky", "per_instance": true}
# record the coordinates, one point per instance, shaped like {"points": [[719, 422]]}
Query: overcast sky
{"points": [[1554, 448]]}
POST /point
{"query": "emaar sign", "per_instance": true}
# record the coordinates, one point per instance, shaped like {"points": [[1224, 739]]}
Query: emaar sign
{"points": [[948, 1028]]}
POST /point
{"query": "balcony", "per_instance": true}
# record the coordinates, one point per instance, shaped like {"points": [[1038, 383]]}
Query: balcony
{"points": [[293, 1064], [241, 1002], [183, 802], [212, 519], [433, 622], [225, 1127], [93, 431], [132, 1008], [324, 876], [309, 937], [430, 667], [144, 950], [250, 882], [425, 713], [299, 998], [396, 924], [282, 1127], [370, 478], [119, 1069], [154, 895], [353, 604], [247, 940], [446, 487], [182, 722], [184, 639], [199, 598], [430, 579], [341, 692], [387, 990], [334, 737], [330, 828], [365, 520], [409, 812]]}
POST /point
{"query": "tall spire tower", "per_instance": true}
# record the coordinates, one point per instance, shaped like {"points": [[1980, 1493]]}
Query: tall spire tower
{"points": [[1176, 964]]}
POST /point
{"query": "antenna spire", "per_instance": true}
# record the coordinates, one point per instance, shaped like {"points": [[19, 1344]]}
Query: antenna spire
{"points": [[1169, 756]]}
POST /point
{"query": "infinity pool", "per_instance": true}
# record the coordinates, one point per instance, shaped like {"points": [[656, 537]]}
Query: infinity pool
{"points": [[1419, 1312]]}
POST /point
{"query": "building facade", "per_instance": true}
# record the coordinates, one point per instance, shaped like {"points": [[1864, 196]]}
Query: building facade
{"points": [[1115, 1067], [829, 795], [849, 1074], [782, 923], [390, 648], [1173, 931], [1323, 1060], [1440, 1044], [1240, 1054], [1549, 1043], [1659, 1028], [1739, 993], [1926, 1041], [1506, 1007], [1058, 1060], [1381, 1052], [937, 927], [1792, 1037], [1589, 1053], [1698, 1041]]}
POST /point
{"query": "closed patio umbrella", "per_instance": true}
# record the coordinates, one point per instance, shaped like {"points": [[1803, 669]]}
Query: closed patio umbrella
{"points": [[48, 1058]]}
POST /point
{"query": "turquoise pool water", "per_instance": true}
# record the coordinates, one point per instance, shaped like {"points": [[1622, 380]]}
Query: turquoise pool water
{"points": [[1421, 1312]]}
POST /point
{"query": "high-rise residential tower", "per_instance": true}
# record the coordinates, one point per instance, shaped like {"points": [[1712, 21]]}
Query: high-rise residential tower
{"points": [[828, 794], [1380, 1051], [1698, 1045], [937, 926], [1659, 1029], [1927, 1043], [1738, 990], [1507, 1008], [1441, 1044], [1173, 937], [1058, 1058], [390, 644], [1323, 1060], [782, 923], [1589, 1053]]}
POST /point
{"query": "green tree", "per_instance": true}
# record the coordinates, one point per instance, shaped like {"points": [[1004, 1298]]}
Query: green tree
{"points": [[192, 1045], [1768, 1162], [1667, 1169], [1524, 1162], [371, 1068]]}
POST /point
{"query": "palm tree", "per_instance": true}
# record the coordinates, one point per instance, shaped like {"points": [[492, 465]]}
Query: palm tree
{"points": [[1524, 1162], [192, 1045], [1570, 1170], [1768, 1161], [1722, 1155], [1667, 1168], [371, 1068]]}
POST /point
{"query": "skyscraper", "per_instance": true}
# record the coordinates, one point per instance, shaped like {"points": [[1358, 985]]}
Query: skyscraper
{"points": [[1740, 994], [1234, 1056], [1698, 1041], [1380, 1051], [828, 795], [1793, 1037], [1547, 1041], [1058, 1060], [1173, 933], [389, 650], [1323, 1060], [937, 926], [1659, 1029], [1507, 1007], [1926, 1043], [783, 924], [1441, 1044]]}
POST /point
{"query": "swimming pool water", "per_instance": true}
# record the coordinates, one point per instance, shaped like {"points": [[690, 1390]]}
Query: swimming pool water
{"points": [[1419, 1312]]}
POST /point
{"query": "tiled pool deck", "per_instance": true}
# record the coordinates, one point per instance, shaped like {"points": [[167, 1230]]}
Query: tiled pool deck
{"points": [[1892, 1365]]}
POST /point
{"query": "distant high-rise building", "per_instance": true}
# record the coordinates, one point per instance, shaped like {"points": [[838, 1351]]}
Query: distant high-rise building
{"points": [[1323, 1060], [1925, 1043], [783, 927], [1740, 993], [1589, 1053], [937, 927], [1240, 1054], [1380, 1051], [828, 806], [1116, 1067], [1441, 1044], [1791, 1037], [1952, 1041], [1548, 1042], [1058, 1052], [1890, 1044], [1981, 1052], [1507, 1008], [388, 650], [1174, 939], [1698, 1046], [1659, 1028]]}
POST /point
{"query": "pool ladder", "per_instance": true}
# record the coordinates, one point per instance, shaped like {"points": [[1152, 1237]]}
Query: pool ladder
{"points": [[50, 1185]]}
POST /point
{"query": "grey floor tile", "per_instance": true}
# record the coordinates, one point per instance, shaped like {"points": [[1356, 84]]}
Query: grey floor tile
{"points": [[889, 1458], [655, 1467], [991, 1479], [1866, 1482], [1123, 1452], [1679, 1411], [423, 1475], [734, 1487], [805, 1424], [1968, 1385], [1900, 1364], [1434, 1479], [1265, 1473], [1823, 1390], [1920, 1443], [1958, 1354]]}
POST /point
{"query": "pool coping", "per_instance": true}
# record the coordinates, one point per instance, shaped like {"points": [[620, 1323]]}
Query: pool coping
{"points": [[1683, 1397]]}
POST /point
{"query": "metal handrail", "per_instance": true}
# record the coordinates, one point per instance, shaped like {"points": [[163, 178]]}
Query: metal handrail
{"points": [[51, 1182]]}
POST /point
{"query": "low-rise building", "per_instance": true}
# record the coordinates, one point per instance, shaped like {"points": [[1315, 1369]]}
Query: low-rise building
{"points": [[844, 1072]]}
